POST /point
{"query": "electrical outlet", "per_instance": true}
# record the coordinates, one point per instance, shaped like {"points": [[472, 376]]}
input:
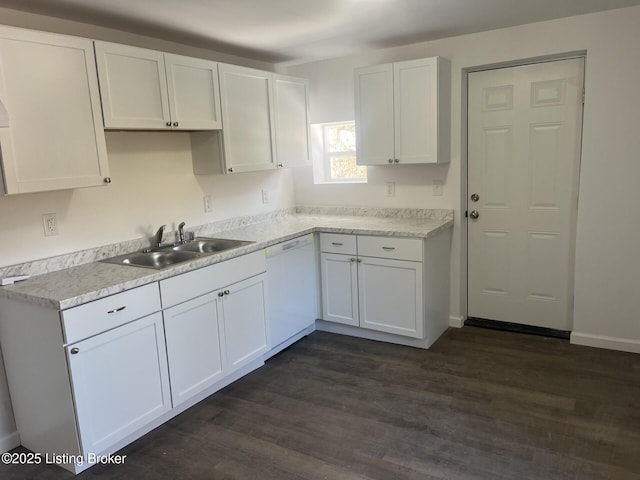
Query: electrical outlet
{"points": [[391, 189], [265, 196], [208, 203], [437, 188], [50, 224]]}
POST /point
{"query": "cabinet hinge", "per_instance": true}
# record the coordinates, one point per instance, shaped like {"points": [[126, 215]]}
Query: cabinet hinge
{"points": [[466, 214], [583, 95]]}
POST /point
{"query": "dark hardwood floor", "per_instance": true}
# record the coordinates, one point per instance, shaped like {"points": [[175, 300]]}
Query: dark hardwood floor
{"points": [[481, 404]]}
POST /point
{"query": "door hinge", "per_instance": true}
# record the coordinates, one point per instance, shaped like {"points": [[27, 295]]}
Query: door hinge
{"points": [[466, 214]]}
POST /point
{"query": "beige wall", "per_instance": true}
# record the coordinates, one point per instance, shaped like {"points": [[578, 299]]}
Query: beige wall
{"points": [[607, 235]]}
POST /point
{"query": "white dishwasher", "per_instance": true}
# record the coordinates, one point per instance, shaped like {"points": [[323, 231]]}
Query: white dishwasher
{"points": [[293, 291]]}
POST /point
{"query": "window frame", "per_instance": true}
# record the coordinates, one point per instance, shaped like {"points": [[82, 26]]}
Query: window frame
{"points": [[322, 155]]}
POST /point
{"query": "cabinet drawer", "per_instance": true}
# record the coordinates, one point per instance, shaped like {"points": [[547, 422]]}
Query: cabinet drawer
{"points": [[192, 284], [101, 315], [338, 243], [391, 247]]}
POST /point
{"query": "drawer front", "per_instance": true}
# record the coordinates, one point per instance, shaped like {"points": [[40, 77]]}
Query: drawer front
{"points": [[101, 315], [391, 247], [338, 243], [198, 282]]}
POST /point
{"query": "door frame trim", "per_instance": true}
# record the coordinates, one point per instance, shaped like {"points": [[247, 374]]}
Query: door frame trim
{"points": [[464, 160]]}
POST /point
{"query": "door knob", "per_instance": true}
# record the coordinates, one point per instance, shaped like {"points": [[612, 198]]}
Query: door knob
{"points": [[475, 197], [474, 214]]}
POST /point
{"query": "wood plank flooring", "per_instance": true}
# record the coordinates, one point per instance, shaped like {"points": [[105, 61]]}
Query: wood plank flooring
{"points": [[481, 404]]}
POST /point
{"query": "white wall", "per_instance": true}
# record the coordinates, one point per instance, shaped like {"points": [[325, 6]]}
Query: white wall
{"points": [[607, 234]]}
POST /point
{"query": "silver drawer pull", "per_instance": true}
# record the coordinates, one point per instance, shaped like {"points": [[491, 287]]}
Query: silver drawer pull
{"points": [[75, 350], [116, 310], [388, 248], [337, 244]]}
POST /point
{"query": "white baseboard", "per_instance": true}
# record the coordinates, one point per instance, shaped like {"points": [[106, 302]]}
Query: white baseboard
{"points": [[611, 343], [10, 441], [456, 322]]}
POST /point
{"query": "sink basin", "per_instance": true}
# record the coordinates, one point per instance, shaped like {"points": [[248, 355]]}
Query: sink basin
{"points": [[209, 245], [158, 259], [162, 257]]}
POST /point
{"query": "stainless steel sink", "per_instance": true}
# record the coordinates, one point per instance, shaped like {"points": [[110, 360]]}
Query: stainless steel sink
{"points": [[157, 259], [165, 256], [209, 245]]}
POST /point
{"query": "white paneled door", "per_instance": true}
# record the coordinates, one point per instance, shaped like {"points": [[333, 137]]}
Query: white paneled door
{"points": [[524, 132]]}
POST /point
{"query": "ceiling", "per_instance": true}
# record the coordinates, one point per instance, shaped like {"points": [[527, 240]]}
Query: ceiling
{"points": [[304, 30]]}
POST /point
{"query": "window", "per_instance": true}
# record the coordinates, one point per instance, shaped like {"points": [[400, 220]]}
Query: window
{"points": [[334, 154]]}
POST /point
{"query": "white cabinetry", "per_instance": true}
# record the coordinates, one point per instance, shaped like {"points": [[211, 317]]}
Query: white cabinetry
{"points": [[120, 382], [265, 118], [291, 97], [55, 138], [215, 322], [402, 112], [196, 356], [147, 89], [87, 380], [374, 282], [248, 137]]}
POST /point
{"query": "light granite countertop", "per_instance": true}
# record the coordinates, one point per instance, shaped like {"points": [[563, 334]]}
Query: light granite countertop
{"points": [[76, 285]]}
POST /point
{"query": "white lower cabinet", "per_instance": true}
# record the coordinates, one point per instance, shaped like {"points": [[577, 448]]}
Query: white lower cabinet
{"points": [[339, 275], [120, 382], [380, 291], [194, 347], [245, 321], [221, 330]]}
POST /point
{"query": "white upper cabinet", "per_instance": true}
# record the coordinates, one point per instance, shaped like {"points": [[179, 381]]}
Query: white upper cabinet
{"points": [[266, 124], [402, 112], [55, 138], [146, 89], [291, 98], [248, 136]]}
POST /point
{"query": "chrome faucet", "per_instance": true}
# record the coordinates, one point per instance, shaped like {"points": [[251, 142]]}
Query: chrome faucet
{"points": [[159, 234], [181, 232]]}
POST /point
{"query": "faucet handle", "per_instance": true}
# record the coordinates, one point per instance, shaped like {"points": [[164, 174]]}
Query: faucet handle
{"points": [[159, 234], [181, 232]]}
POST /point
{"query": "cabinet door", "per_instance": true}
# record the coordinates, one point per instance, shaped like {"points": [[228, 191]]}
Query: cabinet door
{"points": [[415, 85], [246, 98], [133, 87], [339, 288], [55, 138], [292, 123], [390, 296], [196, 358], [194, 93], [120, 382], [374, 115], [245, 321]]}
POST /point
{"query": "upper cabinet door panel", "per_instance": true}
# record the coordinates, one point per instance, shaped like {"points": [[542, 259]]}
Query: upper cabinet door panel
{"points": [[374, 115], [55, 139], [194, 93], [292, 123], [133, 87], [416, 111], [245, 95]]}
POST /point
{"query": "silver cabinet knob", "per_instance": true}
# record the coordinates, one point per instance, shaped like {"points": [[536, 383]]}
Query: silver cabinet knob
{"points": [[352, 260], [359, 260], [75, 350], [168, 124], [221, 294], [395, 160], [175, 124], [227, 292], [475, 197], [391, 160], [107, 179], [474, 214], [230, 170], [280, 165]]}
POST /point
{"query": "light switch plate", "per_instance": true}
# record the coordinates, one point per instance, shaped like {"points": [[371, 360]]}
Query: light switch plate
{"points": [[437, 188], [391, 189]]}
